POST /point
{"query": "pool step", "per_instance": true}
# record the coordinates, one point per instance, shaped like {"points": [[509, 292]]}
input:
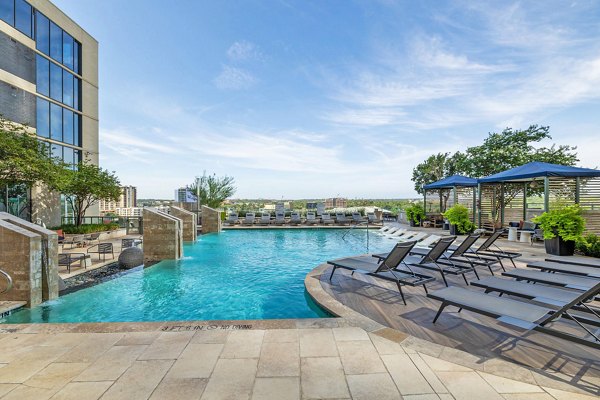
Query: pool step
{"points": [[8, 307]]}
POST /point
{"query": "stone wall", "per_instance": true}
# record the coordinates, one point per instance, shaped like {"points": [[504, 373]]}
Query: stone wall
{"points": [[29, 254], [190, 229], [163, 236], [211, 220]]}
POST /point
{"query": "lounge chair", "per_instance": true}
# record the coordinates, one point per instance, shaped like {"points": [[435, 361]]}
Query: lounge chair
{"points": [[357, 218], [76, 240], [279, 218], [385, 229], [232, 219], [524, 315], [340, 219], [311, 219], [249, 219], [398, 230], [575, 282], [428, 241], [416, 237], [68, 259], [576, 260], [295, 218], [102, 249], [388, 269], [326, 219], [486, 250], [373, 219], [265, 219], [550, 266], [403, 234]]}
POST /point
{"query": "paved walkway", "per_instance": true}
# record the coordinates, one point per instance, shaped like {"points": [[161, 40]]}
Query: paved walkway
{"points": [[312, 363]]}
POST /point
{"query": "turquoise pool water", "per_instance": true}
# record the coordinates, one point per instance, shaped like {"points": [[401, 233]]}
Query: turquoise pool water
{"points": [[257, 274]]}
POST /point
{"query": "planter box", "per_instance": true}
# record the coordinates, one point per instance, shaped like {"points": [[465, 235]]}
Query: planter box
{"points": [[453, 230], [559, 247]]}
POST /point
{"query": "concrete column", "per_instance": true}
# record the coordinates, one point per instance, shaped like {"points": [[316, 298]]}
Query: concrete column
{"points": [[190, 229], [163, 236], [35, 274], [211, 220]]}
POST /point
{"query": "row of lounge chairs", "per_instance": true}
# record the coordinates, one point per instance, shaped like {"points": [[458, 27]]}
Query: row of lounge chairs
{"points": [[541, 295], [296, 219]]}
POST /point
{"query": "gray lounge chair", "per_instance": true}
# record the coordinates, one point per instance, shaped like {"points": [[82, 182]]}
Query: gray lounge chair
{"points": [[265, 218], [311, 219], [357, 218], [415, 237], [525, 315], [232, 219], [428, 241], [295, 218], [326, 219], [391, 268], [373, 219], [249, 219], [576, 282], [550, 266], [279, 218], [576, 260], [340, 219]]}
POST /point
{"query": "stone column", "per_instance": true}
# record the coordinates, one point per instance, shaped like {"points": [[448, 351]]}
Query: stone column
{"points": [[163, 236], [190, 229], [211, 220]]}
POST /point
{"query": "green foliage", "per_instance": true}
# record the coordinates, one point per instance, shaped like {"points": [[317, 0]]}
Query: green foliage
{"points": [[213, 190], [565, 222], [85, 229], [436, 167], [415, 213], [459, 215], [86, 185], [589, 245], [24, 159]]}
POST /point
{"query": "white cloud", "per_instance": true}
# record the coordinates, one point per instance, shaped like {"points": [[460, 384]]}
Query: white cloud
{"points": [[232, 78], [243, 51]]}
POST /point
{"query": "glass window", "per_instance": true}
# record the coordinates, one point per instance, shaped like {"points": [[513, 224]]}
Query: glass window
{"points": [[43, 118], [76, 57], [68, 126], [43, 76], [77, 130], [67, 88], [23, 17], [56, 120], [67, 50], [42, 33], [56, 151], [68, 155], [76, 91], [7, 11], [76, 158], [56, 87], [56, 42]]}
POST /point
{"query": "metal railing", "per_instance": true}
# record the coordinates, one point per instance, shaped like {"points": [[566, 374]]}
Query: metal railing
{"points": [[91, 220], [8, 280]]}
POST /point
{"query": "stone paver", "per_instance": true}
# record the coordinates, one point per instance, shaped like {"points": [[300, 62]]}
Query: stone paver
{"points": [[311, 363]]}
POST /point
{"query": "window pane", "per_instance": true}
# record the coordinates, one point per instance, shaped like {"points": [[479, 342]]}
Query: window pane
{"points": [[76, 91], [42, 33], [67, 50], [23, 17], [67, 88], [56, 151], [76, 57], [68, 126], [56, 82], [43, 76], [7, 11], [77, 130], [43, 118], [68, 155], [56, 42], [56, 122], [76, 157]]}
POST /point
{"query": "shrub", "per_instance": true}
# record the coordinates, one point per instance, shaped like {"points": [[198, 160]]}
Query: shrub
{"points": [[458, 215], [85, 229], [566, 222], [415, 213], [589, 245]]}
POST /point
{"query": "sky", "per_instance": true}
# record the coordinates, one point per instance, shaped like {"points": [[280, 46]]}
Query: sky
{"points": [[315, 99]]}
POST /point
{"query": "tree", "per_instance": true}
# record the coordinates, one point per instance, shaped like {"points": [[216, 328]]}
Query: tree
{"points": [[213, 190], [436, 167], [86, 185]]}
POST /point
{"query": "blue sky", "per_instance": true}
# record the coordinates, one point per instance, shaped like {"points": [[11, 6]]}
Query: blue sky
{"points": [[310, 99]]}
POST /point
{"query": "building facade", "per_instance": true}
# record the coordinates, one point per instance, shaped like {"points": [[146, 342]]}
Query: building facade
{"points": [[49, 82], [127, 200], [185, 195], [335, 202]]}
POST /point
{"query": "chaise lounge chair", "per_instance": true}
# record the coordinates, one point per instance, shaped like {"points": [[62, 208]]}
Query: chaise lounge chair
{"points": [[416, 237], [357, 218], [265, 218], [295, 218], [373, 219], [397, 232], [575, 282], [326, 219], [428, 241], [525, 315], [385, 229], [576, 260], [388, 269], [249, 219], [232, 219], [279, 219], [311, 219], [486, 250], [549, 266], [340, 219]]}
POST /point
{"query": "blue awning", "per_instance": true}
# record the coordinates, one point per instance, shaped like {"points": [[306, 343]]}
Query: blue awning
{"points": [[538, 169], [452, 181]]}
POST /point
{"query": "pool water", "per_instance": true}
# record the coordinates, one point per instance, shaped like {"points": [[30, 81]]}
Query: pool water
{"points": [[238, 274]]}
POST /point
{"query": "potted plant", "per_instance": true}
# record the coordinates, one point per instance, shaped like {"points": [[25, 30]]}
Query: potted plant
{"points": [[562, 228], [458, 217], [415, 214]]}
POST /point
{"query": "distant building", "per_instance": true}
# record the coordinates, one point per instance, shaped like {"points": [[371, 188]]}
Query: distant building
{"points": [[185, 195], [336, 202], [311, 206], [128, 199]]}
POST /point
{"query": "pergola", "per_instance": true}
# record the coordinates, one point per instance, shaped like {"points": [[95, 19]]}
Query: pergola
{"points": [[503, 196], [462, 189]]}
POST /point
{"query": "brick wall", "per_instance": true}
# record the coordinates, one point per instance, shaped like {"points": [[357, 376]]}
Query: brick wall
{"points": [[190, 230], [17, 58], [163, 236]]}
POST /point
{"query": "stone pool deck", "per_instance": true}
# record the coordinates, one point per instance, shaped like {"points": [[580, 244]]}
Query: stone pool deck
{"points": [[276, 359]]}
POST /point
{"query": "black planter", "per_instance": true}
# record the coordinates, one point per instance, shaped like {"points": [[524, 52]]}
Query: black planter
{"points": [[453, 230], [559, 247], [412, 222]]}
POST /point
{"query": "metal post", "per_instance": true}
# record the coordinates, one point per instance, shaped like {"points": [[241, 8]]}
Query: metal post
{"points": [[525, 201], [502, 204], [455, 195], [479, 204], [546, 194], [577, 189], [425, 201], [474, 203]]}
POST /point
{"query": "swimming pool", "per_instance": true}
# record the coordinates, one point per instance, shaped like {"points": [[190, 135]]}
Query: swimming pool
{"points": [[238, 274]]}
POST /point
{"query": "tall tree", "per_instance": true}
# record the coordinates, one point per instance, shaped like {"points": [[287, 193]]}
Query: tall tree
{"points": [[213, 190], [86, 185], [436, 167]]}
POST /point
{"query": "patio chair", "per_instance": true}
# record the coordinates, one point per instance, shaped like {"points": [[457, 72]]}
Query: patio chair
{"points": [[88, 239], [576, 260], [386, 229], [428, 241], [326, 219], [295, 218], [311, 219], [574, 282], [391, 268], [102, 249], [416, 237], [403, 234], [77, 240], [279, 219], [68, 259], [265, 218], [373, 219], [463, 254], [392, 230], [340, 218], [249, 219], [525, 315], [397, 232], [232, 219], [550, 266], [486, 250], [357, 218]]}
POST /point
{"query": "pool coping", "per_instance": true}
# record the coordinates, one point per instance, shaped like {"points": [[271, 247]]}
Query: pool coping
{"points": [[489, 365]]}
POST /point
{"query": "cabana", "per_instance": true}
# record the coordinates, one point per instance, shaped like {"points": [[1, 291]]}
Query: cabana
{"points": [[455, 189], [502, 197]]}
